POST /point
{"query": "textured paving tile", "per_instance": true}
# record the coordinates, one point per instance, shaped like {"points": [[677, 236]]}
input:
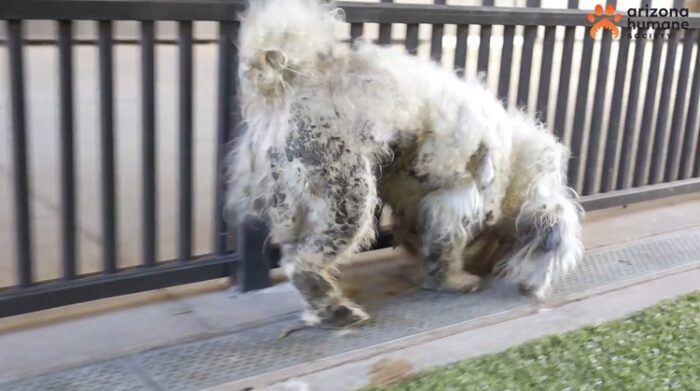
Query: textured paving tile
{"points": [[110, 376], [257, 350]]}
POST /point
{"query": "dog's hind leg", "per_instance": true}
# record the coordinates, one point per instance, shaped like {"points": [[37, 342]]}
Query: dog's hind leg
{"points": [[337, 219], [449, 218], [312, 274]]}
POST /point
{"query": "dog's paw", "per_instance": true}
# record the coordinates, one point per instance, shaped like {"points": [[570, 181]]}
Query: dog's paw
{"points": [[455, 282], [463, 282], [339, 316], [534, 292]]}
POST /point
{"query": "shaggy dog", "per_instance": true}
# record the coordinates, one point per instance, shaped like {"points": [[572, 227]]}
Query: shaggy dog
{"points": [[333, 131]]}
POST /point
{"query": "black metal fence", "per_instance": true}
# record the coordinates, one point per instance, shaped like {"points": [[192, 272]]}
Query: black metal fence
{"points": [[631, 157]]}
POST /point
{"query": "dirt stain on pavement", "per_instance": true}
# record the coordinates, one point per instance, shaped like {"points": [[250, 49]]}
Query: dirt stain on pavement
{"points": [[388, 371]]}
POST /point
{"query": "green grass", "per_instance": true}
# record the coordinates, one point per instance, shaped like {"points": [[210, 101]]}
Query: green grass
{"points": [[658, 348]]}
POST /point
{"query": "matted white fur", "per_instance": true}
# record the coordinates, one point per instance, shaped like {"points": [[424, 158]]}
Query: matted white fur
{"points": [[332, 130]]}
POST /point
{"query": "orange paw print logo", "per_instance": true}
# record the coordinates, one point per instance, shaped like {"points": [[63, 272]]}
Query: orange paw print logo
{"points": [[606, 21]]}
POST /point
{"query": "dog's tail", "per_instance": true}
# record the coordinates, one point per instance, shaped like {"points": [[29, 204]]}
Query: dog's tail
{"points": [[282, 41], [548, 227]]}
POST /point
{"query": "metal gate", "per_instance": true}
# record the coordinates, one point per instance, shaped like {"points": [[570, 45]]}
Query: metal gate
{"points": [[621, 154]]}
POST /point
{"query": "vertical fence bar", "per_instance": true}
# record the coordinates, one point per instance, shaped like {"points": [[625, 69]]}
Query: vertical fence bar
{"points": [[606, 182], [186, 145], [696, 169], [252, 268], [482, 62], [526, 66], [564, 77], [668, 170], [19, 146], [506, 64], [689, 150], [356, 30], [109, 232], [529, 37], [648, 113], [542, 105], [385, 30], [657, 155], [412, 38], [591, 168], [228, 35], [148, 129], [436, 43], [672, 156], [580, 110], [460, 63], [693, 113], [624, 171], [482, 65], [436, 38], [65, 58]]}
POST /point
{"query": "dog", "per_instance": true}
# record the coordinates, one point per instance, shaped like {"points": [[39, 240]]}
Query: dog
{"points": [[333, 132]]}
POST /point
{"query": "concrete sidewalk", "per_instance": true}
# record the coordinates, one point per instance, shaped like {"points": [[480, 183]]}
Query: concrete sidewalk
{"points": [[415, 329], [89, 333], [497, 337]]}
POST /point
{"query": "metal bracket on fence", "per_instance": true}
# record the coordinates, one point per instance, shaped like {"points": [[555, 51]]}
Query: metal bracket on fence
{"points": [[255, 257]]}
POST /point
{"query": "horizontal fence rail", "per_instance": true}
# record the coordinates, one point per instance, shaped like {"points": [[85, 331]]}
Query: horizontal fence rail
{"points": [[54, 294], [113, 10], [355, 12], [627, 144]]}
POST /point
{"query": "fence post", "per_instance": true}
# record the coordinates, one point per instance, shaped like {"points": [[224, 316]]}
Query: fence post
{"points": [[254, 260], [252, 269]]}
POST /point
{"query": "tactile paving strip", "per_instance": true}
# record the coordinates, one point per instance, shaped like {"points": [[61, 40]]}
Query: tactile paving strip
{"points": [[111, 376], [227, 358], [623, 263], [258, 350]]}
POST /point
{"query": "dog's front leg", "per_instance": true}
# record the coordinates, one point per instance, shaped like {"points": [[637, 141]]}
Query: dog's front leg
{"points": [[448, 219]]}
